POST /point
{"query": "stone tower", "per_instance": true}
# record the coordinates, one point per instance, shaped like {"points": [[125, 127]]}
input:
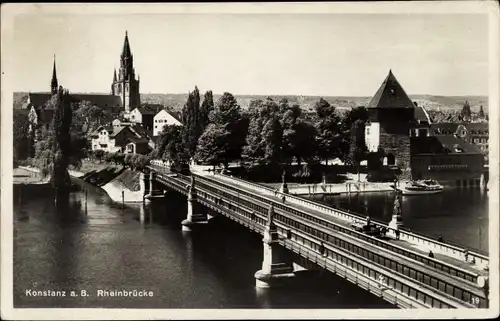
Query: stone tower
{"points": [[53, 83], [126, 85], [391, 121]]}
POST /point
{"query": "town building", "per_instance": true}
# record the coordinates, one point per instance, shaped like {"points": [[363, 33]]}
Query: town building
{"points": [[119, 139], [144, 115], [402, 132], [124, 95], [392, 120], [448, 159], [164, 118], [473, 133]]}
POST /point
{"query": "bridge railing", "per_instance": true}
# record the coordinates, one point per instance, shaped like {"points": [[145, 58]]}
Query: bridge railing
{"points": [[411, 255], [334, 259], [455, 251]]}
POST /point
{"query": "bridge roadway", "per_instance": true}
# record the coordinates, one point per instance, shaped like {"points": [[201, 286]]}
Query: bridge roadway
{"points": [[465, 270], [459, 289]]}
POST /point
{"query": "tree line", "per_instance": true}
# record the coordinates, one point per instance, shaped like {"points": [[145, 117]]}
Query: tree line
{"points": [[269, 133]]}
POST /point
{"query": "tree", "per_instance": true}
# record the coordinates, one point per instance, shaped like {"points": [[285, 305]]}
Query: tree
{"points": [[272, 134], [172, 147], [481, 112], [329, 134], [354, 114], [265, 134], [466, 112], [79, 149], [227, 117], [357, 148], [304, 147], [206, 108], [298, 136], [212, 145], [61, 146], [99, 154], [192, 126], [88, 117], [253, 151], [22, 137]]}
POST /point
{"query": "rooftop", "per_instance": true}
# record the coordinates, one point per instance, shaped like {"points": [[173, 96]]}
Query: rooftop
{"points": [[442, 144], [390, 95]]}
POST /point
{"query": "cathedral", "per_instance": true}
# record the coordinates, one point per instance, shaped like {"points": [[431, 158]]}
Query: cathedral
{"points": [[123, 97], [126, 86]]}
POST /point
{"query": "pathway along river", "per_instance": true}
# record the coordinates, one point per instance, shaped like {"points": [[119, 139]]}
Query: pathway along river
{"points": [[143, 248]]}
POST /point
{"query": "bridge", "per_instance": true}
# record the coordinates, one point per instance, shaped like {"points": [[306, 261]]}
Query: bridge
{"points": [[300, 233]]}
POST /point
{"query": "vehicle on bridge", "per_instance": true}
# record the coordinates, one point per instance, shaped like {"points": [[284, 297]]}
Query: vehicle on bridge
{"points": [[368, 229], [180, 167]]}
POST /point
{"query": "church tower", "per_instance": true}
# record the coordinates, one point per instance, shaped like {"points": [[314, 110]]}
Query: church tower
{"points": [[126, 85], [53, 82]]}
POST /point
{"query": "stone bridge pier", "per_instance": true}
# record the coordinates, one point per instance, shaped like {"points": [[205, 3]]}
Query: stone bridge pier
{"points": [[145, 185], [195, 213], [150, 188], [276, 264]]}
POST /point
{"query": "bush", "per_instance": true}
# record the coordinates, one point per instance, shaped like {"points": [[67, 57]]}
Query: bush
{"points": [[141, 161], [119, 158], [98, 154], [109, 157]]}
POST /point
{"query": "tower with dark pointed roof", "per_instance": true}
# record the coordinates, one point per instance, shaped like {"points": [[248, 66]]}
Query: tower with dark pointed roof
{"points": [[126, 85], [391, 122], [53, 83]]}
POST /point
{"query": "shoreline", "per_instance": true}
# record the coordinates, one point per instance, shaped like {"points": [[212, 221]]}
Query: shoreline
{"points": [[113, 188]]}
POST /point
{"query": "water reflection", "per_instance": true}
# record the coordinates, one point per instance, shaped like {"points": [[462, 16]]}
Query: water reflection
{"points": [[107, 246]]}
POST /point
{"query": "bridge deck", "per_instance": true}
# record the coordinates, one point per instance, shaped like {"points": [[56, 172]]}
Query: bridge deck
{"points": [[402, 243]]}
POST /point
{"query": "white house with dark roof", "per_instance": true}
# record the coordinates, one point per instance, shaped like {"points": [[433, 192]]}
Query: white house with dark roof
{"points": [[144, 115], [164, 118]]}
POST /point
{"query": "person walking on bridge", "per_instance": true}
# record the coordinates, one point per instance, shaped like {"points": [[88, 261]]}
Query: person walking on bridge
{"points": [[431, 255]]}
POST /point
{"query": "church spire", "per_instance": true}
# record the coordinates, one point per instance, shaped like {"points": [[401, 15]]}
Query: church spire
{"points": [[126, 52], [53, 83]]}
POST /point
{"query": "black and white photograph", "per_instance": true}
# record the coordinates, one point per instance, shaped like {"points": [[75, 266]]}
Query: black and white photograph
{"points": [[238, 160]]}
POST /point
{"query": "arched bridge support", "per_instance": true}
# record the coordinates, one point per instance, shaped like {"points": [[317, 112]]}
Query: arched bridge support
{"points": [[276, 265], [195, 215]]}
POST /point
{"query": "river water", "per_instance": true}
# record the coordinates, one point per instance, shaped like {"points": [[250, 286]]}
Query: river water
{"points": [[143, 248], [107, 247]]}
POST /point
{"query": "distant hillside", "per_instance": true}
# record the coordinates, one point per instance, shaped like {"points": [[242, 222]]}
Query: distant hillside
{"points": [[431, 102], [342, 102]]}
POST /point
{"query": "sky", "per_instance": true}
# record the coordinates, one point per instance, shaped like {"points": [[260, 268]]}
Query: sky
{"points": [[296, 54]]}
